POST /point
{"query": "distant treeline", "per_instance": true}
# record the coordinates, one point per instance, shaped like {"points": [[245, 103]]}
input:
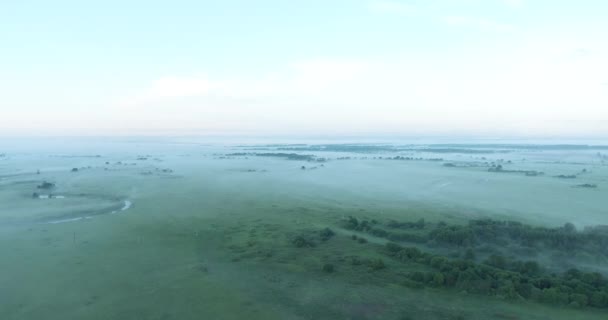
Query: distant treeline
{"points": [[501, 169], [433, 148], [528, 146], [356, 148], [454, 150], [386, 148], [288, 156]]}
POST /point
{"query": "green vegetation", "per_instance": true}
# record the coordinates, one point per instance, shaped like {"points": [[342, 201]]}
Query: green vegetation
{"points": [[586, 185], [302, 241], [356, 148], [499, 276], [472, 271], [593, 240], [328, 267], [363, 148], [455, 150], [306, 239], [377, 264], [326, 234], [46, 185], [566, 176], [216, 241], [288, 156], [570, 147], [501, 169]]}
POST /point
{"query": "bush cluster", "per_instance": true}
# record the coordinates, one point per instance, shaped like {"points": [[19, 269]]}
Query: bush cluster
{"points": [[500, 276]]}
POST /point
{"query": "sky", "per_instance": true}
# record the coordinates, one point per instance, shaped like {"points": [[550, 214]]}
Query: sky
{"points": [[483, 68]]}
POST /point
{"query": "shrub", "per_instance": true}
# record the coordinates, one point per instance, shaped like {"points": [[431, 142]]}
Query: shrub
{"points": [[408, 253], [393, 247], [303, 242], [46, 185], [352, 223], [580, 300], [379, 232], [326, 234], [328, 267], [438, 279], [377, 264]]}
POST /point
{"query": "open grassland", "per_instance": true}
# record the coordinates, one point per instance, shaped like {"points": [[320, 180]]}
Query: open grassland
{"points": [[233, 237]]}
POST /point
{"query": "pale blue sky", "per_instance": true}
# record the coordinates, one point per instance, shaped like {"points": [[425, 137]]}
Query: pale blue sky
{"points": [[471, 67]]}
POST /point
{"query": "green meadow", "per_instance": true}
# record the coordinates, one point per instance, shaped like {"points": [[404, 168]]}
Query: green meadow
{"points": [[162, 230]]}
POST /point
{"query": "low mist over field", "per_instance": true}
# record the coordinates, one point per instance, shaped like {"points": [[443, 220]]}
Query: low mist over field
{"points": [[176, 228]]}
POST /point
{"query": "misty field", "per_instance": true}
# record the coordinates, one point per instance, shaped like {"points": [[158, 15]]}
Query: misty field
{"points": [[152, 229]]}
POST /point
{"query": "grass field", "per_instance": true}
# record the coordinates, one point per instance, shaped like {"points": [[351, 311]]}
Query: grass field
{"points": [[210, 236]]}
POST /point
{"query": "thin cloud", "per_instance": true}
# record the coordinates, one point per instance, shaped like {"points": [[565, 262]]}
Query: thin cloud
{"points": [[392, 7], [514, 3], [479, 23], [306, 77], [400, 8], [171, 87]]}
